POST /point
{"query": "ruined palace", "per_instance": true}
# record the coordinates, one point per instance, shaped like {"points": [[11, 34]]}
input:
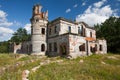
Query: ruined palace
{"points": [[62, 37]]}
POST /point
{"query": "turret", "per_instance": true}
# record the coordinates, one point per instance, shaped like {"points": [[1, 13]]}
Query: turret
{"points": [[39, 22], [37, 12]]}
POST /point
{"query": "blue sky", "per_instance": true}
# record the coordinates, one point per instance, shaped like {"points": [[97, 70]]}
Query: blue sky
{"points": [[17, 13]]}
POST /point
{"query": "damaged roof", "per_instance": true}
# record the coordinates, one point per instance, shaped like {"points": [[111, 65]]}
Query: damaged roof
{"points": [[67, 20]]}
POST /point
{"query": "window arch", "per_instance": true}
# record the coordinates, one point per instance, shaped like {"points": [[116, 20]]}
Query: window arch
{"points": [[43, 47]]}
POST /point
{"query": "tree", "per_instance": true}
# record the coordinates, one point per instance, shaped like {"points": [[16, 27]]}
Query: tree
{"points": [[110, 30], [4, 47], [20, 35]]}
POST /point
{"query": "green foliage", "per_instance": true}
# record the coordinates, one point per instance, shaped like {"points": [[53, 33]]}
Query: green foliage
{"points": [[4, 47], [110, 30], [20, 35]]}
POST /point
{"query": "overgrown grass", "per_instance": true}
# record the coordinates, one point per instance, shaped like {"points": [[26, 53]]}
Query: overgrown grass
{"points": [[92, 68], [15, 73], [6, 59]]}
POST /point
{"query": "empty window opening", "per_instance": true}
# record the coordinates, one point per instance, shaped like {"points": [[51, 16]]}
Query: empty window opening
{"points": [[95, 47], [50, 47], [63, 49], [82, 47], [90, 34], [100, 48], [43, 30], [84, 32], [55, 47], [37, 20], [79, 30], [69, 29], [55, 29], [43, 47], [49, 31]]}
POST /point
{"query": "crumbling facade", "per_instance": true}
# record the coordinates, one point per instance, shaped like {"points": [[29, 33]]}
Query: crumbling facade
{"points": [[63, 37]]}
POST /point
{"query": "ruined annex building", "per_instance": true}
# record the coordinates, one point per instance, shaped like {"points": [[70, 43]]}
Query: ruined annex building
{"points": [[62, 37]]}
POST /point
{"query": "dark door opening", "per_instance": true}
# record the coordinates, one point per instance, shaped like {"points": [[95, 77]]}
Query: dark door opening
{"points": [[63, 50]]}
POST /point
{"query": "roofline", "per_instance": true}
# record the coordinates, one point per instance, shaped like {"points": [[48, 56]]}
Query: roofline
{"points": [[87, 26], [61, 18], [64, 19]]}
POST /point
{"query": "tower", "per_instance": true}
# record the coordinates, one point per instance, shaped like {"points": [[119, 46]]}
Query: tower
{"points": [[39, 22]]}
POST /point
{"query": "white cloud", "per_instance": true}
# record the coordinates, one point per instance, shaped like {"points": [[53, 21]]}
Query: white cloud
{"points": [[100, 3], [96, 14], [83, 4], [2, 14], [91, 19], [5, 31], [3, 20], [28, 27], [76, 5], [68, 10], [6, 24], [16, 23]]}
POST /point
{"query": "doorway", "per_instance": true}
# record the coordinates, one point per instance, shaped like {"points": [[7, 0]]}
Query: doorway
{"points": [[63, 50]]}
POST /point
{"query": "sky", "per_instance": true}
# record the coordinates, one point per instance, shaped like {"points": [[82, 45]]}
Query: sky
{"points": [[17, 13]]}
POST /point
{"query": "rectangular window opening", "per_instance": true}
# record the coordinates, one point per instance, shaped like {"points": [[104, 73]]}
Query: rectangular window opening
{"points": [[43, 30]]}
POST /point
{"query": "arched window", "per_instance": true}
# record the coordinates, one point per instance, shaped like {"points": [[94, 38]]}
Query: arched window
{"points": [[43, 47]]}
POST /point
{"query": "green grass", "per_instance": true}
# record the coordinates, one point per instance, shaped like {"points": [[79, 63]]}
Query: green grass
{"points": [[14, 73], [91, 69], [6, 59]]}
